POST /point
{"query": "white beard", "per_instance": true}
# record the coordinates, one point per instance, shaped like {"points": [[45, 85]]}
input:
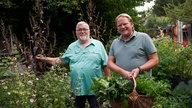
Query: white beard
{"points": [[83, 38]]}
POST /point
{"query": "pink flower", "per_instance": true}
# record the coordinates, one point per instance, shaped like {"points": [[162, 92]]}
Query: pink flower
{"points": [[31, 100]]}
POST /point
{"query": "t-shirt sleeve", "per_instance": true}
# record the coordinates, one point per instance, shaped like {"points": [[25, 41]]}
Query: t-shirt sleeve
{"points": [[111, 50], [104, 56], [149, 45]]}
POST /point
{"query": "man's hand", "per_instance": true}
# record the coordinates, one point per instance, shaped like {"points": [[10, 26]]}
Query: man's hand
{"points": [[128, 75], [40, 57], [135, 72]]}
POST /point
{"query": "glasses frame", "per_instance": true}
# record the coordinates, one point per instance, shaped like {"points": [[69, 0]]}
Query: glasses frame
{"points": [[79, 30]]}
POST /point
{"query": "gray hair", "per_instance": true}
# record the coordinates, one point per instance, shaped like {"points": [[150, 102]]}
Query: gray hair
{"points": [[82, 22]]}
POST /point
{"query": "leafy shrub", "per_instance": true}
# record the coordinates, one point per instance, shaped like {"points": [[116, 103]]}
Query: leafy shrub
{"points": [[26, 90], [183, 93], [180, 97], [174, 62]]}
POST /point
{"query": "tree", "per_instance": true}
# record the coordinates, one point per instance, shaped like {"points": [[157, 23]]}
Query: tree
{"points": [[158, 8], [109, 9], [181, 12], [155, 22], [64, 14]]}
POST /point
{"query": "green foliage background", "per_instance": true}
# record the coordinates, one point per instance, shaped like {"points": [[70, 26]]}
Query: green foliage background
{"points": [[26, 90]]}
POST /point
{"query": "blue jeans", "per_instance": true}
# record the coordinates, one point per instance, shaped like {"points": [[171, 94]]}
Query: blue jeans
{"points": [[81, 100]]}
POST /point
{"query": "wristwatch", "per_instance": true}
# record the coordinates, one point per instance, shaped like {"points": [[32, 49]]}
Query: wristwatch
{"points": [[140, 70]]}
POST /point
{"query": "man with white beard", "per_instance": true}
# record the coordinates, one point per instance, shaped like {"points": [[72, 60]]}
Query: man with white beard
{"points": [[87, 58]]}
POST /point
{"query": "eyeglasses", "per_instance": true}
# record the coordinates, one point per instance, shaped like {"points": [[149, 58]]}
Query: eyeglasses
{"points": [[79, 30]]}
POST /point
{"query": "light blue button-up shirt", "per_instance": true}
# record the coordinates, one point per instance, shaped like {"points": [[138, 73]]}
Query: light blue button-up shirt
{"points": [[85, 63]]}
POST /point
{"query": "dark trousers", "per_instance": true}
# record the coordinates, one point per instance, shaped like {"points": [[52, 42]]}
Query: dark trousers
{"points": [[81, 100]]}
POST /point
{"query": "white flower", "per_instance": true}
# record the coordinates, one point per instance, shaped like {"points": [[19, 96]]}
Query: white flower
{"points": [[17, 101], [29, 67], [34, 95], [5, 87], [52, 67], [8, 93], [30, 82]]}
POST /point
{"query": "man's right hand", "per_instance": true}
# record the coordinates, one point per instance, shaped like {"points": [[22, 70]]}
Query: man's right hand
{"points": [[40, 57], [128, 75]]}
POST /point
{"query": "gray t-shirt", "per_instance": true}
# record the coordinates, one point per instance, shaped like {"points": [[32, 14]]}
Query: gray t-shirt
{"points": [[133, 53]]}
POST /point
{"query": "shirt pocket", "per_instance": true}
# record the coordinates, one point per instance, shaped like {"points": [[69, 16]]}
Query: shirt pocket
{"points": [[75, 56], [94, 55]]}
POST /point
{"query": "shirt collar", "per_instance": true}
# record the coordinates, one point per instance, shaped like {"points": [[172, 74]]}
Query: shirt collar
{"points": [[92, 42], [132, 37]]}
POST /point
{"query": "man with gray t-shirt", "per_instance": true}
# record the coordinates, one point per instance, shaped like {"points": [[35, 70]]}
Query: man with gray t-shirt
{"points": [[132, 52]]}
